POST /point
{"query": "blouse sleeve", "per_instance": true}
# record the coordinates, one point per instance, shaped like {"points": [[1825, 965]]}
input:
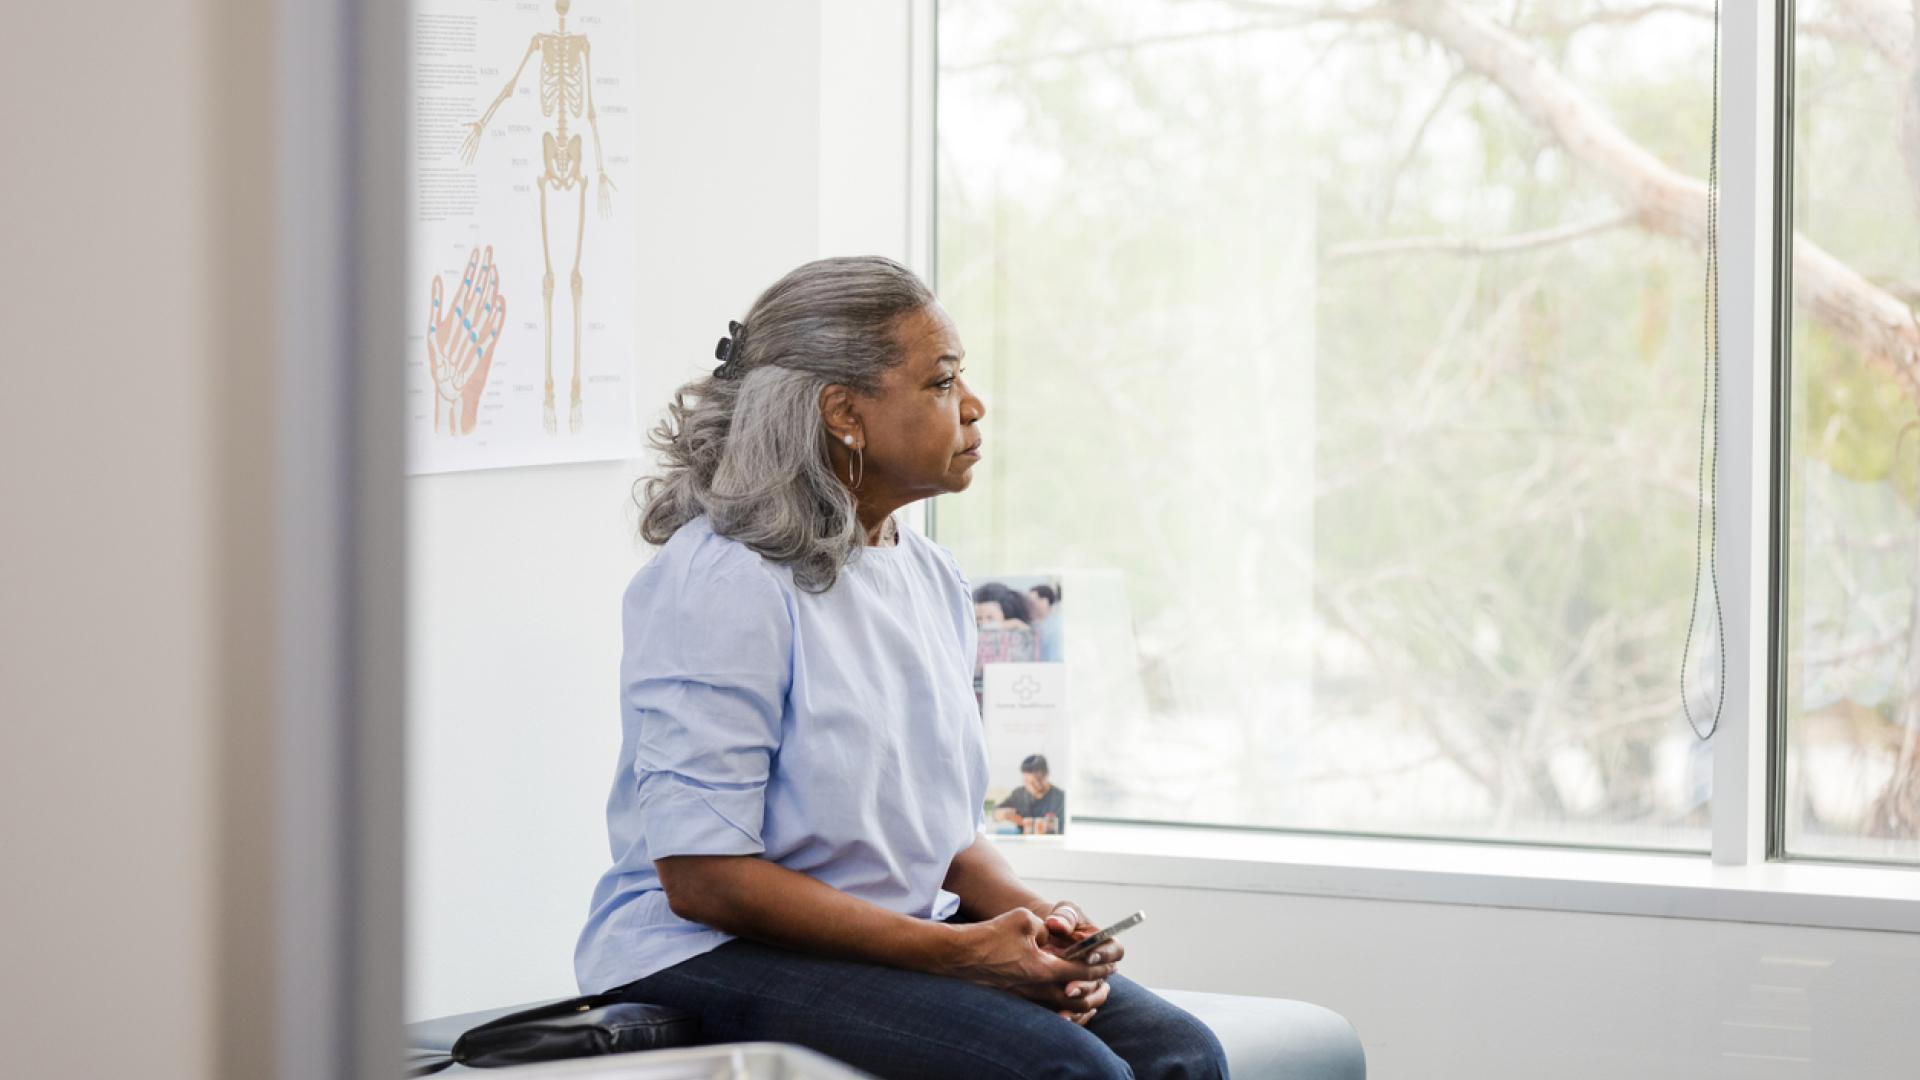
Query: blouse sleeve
{"points": [[705, 673]]}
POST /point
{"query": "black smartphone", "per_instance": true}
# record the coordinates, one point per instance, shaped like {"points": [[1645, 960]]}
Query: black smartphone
{"points": [[1083, 947]]}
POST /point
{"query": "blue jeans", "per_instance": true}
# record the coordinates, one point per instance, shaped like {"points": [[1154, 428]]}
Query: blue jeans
{"points": [[915, 1026]]}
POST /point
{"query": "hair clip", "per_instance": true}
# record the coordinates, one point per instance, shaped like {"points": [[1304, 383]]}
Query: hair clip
{"points": [[725, 351]]}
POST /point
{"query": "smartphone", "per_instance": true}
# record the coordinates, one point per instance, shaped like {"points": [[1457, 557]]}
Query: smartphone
{"points": [[1082, 948]]}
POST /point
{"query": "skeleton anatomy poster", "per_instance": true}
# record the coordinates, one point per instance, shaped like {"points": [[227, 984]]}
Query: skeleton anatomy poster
{"points": [[520, 296]]}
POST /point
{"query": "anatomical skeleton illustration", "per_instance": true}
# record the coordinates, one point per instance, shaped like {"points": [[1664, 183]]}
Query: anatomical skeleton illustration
{"points": [[566, 90], [461, 339]]}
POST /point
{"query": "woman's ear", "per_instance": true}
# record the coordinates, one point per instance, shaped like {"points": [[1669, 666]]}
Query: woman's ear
{"points": [[842, 419]]}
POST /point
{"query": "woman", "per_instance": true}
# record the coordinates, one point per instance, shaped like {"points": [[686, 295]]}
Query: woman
{"points": [[995, 604], [797, 818]]}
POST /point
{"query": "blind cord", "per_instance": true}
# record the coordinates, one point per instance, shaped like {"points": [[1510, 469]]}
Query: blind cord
{"points": [[1708, 473]]}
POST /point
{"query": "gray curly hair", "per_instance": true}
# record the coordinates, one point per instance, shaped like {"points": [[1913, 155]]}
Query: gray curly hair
{"points": [[750, 450]]}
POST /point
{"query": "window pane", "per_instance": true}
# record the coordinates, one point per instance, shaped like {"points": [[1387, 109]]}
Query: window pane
{"points": [[1853, 639], [1350, 369]]}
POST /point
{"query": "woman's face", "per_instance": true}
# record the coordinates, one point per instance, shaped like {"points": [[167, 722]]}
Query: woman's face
{"points": [[987, 613], [921, 428]]}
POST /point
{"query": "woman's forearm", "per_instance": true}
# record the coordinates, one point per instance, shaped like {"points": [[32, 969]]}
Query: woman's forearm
{"points": [[749, 897], [986, 884]]}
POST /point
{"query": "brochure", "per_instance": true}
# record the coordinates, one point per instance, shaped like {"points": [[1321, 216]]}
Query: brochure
{"points": [[1020, 679]]}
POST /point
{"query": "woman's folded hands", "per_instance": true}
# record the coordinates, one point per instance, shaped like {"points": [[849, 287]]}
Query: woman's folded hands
{"points": [[1019, 952]]}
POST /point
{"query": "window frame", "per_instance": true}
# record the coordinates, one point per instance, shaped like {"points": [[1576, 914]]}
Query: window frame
{"points": [[1756, 41], [1780, 428]]}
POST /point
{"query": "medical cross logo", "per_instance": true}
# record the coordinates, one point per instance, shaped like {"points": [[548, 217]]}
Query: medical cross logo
{"points": [[1025, 687]]}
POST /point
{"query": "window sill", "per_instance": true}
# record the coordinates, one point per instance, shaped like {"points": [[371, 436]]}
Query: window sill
{"points": [[1437, 872]]}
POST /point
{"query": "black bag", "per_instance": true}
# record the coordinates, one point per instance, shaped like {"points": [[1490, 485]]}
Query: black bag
{"points": [[577, 1027]]}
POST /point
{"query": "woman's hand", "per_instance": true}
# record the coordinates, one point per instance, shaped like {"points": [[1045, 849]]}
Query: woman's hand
{"points": [[1067, 924], [1016, 952]]}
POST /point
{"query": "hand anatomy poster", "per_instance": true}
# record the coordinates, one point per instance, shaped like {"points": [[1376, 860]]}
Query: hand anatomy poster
{"points": [[520, 291]]}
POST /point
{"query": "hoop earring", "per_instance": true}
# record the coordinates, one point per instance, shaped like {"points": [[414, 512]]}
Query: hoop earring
{"points": [[861, 458]]}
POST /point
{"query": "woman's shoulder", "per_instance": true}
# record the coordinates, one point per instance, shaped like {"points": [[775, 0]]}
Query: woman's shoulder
{"points": [[945, 571], [696, 560], [936, 553], [699, 602]]}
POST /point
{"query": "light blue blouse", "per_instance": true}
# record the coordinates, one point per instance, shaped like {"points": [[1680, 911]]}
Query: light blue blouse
{"points": [[833, 733]]}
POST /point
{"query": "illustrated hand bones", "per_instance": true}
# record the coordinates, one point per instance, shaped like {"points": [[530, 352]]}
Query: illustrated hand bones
{"points": [[461, 341], [566, 89]]}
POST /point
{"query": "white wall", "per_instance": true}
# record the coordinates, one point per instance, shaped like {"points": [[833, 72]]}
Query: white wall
{"points": [[1440, 991], [778, 135]]}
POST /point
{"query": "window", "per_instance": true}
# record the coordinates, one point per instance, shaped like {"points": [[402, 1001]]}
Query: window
{"points": [[1349, 366], [1852, 625]]}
